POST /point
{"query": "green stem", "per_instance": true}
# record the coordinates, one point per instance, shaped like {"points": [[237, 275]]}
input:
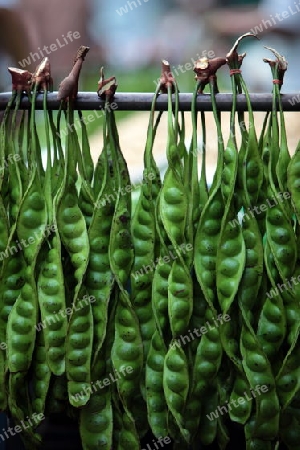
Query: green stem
{"points": [[233, 109], [150, 132], [218, 172], [249, 105], [48, 175], [13, 123], [33, 143]]}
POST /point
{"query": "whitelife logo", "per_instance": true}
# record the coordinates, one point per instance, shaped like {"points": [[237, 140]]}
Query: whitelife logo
{"points": [[280, 197], [240, 401], [102, 383], [279, 17], [53, 47], [124, 9]]}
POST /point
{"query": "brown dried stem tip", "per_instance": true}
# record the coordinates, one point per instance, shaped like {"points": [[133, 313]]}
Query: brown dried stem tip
{"points": [[233, 59], [42, 76], [206, 69], [281, 64], [68, 88], [21, 80], [166, 79], [106, 88], [81, 53]]}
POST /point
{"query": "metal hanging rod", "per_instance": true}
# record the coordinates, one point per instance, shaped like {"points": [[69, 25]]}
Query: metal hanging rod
{"points": [[132, 101]]}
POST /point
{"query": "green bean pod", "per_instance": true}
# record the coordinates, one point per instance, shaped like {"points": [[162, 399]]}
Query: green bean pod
{"points": [[51, 296], [253, 168], [176, 385], [198, 316], [252, 276], [99, 279], [20, 409], [241, 410], [208, 356], [231, 258], [180, 298], [127, 350], [229, 172], [73, 233], [110, 332], [258, 372], [206, 245], [41, 375], [160, 299], [21, 332], [121, 252], [229, 335], [79, 343], [208, 425], [86, 204], [96, 417], [271, 327], [12, 282], [205, 368], [96, 421], [281, 238], [32, 220], [143, 238], [173, 207], [50, 277], [156, 405], [253, 443], [160, 283], [128, 437], [68, 215], [174, 210], [231, 252], [120, 246]]}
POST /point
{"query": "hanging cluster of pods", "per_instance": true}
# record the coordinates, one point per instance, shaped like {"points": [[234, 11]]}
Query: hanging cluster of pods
{"points": [[178, 317]]}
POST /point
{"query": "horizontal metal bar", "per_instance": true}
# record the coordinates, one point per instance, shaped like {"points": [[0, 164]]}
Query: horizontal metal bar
{"points": [[132, 101]]}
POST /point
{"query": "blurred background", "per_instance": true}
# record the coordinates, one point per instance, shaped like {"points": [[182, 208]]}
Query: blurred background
{"points": [[132, 36], [129, 38]]}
